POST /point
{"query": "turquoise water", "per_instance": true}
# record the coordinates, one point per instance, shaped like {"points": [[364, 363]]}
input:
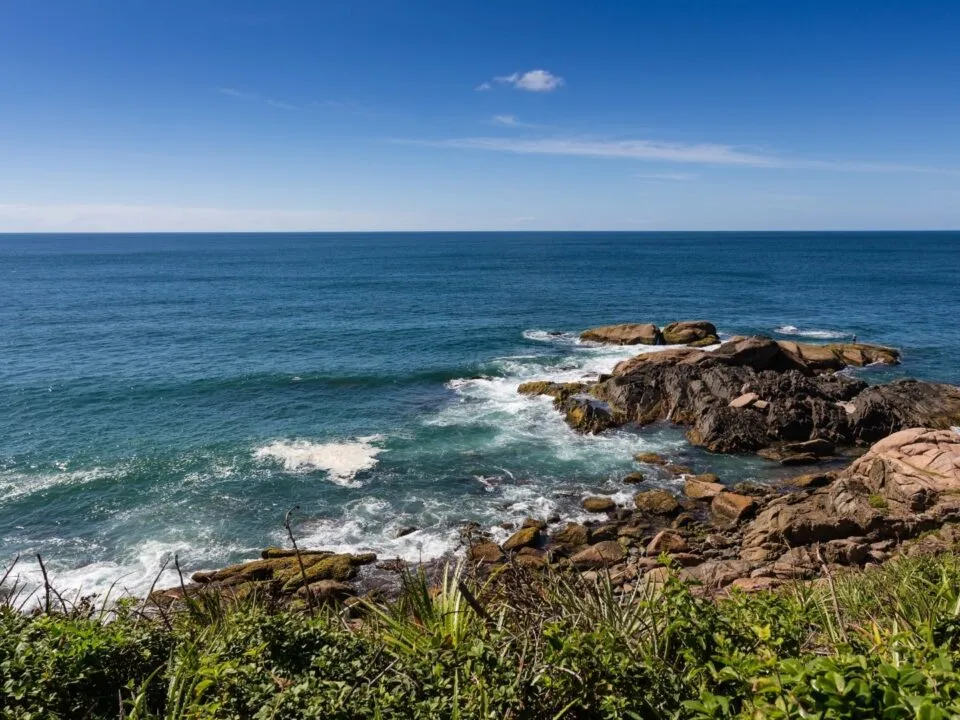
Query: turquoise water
{"points": [[179, 393]]}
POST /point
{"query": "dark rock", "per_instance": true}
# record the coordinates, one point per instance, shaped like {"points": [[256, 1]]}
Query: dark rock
{"points": [[634, 478], [406, 530]]}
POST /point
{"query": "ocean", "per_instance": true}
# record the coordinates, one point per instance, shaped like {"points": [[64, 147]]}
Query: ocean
{"points": [[178, 394]]}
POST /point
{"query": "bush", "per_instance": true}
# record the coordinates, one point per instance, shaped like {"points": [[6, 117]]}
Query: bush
{"points": [[882, 643]]}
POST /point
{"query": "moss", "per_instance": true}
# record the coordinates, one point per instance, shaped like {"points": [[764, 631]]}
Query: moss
{"points": [[650, 458], [877, 502], [524, 537], [537, 387], [332, 567]]}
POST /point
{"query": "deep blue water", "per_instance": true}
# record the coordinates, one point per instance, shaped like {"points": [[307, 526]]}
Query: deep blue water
{"points": [[178, 393]]}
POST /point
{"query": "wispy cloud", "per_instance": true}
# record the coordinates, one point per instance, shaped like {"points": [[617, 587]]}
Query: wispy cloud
{"points": [[667, 177], [510, 121], [704, 153], [244, 95], [673, 152], [531, 81]]}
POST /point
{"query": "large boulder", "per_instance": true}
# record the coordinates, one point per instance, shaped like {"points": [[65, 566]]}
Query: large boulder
{"points": [[690, 332], [656, 502], [907, 483], [626, 334], [601, 554]]}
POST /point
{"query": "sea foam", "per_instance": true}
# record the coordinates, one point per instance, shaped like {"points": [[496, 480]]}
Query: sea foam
{"points": [[342, 461], [815, 334]]}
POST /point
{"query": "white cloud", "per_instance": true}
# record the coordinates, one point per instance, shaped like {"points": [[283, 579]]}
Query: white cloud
{"points": [[532, 81]]}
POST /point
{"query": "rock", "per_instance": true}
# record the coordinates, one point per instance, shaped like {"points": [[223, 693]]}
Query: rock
{"points": [[798, 459], [811, 480], [761, 405], [656, 502], [598, 504], [574, 534], [694, 388], [602, 554], [720, 573], [650, 458], [610, 531], [275, 552], [749, 585], [701, 490], [532, 561], [626, 334], [406, 531], [686, 559], [667, 541], [523, 537], [655, 579], [816, 447], [690, 332], [586, 415], [744, 401], [678, 469], [732, 506], [634, 478], [684, 519], [486, 552], [534, 522], [545, 387], [326, 591]]}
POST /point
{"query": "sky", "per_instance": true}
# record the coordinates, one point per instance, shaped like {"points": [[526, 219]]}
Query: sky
{"points": [[234, 115]]}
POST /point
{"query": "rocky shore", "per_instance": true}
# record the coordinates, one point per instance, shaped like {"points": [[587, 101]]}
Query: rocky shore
{"points": [[785, 401]]}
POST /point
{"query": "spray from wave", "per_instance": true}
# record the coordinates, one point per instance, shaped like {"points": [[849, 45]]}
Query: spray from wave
{"points": [[341, 461]]}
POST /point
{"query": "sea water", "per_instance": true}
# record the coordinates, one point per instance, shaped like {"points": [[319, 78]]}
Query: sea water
{"points": [[178, 394]]}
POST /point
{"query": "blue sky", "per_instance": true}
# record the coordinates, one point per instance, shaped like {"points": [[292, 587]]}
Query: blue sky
{"points": [[405, 115]]}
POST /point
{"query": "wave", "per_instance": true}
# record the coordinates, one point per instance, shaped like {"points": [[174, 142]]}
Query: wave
{"points": [[815, 334], [341, 461]]}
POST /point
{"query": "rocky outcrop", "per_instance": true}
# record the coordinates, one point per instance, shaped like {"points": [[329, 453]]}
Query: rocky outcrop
{"points": [[696, 333], [626, 334], [752, 394]]}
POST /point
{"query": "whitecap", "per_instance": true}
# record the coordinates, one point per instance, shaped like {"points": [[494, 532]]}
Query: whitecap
{"points": [[342, 461], [811, 333]]}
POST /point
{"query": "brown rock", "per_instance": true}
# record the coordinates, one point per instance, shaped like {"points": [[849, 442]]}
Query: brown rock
{"points": [[598, 504], [634, 478], [486, 552], [656, 502], [655, 579], [573, 534], [667, 541], [326, 591], [816, 447], [626, 334], [650, 458], [811, 480], [523, 537], [720, 573], [602, 554], [701, 490], [799, 459], [732, 506], [685, 559], [749, 585], [678, 469], [689, 332], [533, 522]]}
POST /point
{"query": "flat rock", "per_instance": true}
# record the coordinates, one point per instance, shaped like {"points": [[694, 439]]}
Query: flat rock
{"points": [[601, 554], [701, 490], [598, 504], [625, 334]]}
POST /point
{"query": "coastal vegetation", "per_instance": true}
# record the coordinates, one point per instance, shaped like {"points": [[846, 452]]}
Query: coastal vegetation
{"points": [[884, 642]]}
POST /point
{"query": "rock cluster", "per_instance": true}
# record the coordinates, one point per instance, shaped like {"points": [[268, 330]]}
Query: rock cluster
{"points": [[696, 333], [754, 394]]}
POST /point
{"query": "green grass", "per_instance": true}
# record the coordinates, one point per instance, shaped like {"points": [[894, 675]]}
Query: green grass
{"points": [[880, 644]]}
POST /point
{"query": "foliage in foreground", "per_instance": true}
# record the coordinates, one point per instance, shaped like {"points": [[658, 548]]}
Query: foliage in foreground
{"points": [[881, 644]]}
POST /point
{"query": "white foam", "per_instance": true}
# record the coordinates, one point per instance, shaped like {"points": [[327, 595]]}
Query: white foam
{"points": [[341, 461], [15, 484], [815, 334]]}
